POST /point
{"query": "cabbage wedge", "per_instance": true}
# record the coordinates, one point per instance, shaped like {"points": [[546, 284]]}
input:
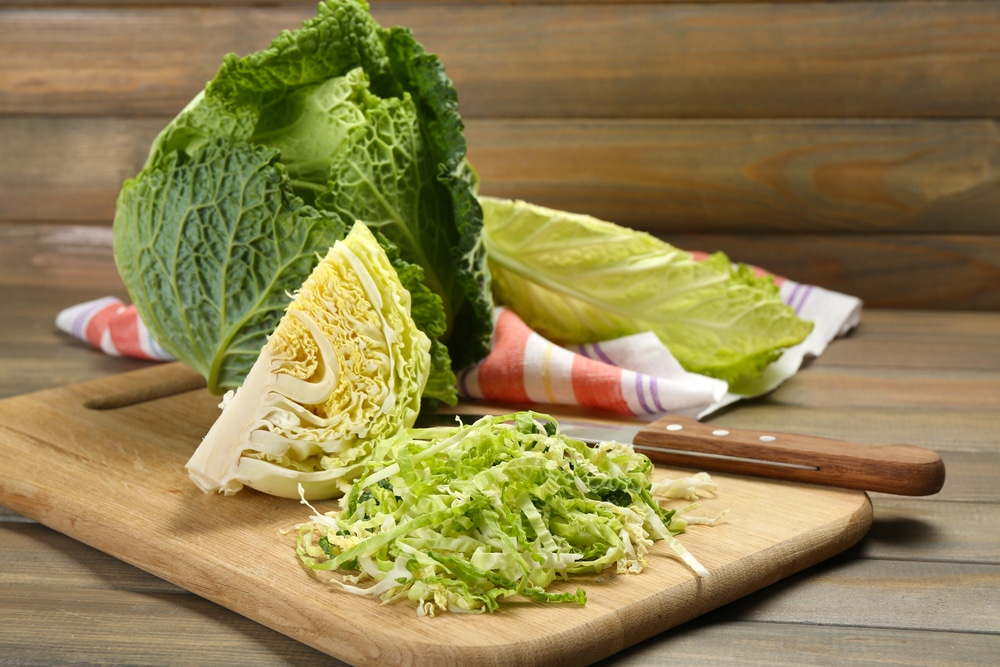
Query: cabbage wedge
{"points": [[345, 367]]}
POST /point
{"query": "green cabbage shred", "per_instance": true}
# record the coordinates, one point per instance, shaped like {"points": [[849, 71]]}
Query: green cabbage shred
{"points": [[459, 518]]}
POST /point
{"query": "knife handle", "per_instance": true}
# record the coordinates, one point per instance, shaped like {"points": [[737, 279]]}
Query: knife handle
{"points": [[899, 469]]}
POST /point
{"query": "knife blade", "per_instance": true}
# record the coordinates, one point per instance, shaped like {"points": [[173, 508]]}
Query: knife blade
{"points": [[900, 469]]}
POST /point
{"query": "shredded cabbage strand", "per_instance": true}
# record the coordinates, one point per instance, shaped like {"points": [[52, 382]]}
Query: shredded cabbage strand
{"points": [[459, 518]]}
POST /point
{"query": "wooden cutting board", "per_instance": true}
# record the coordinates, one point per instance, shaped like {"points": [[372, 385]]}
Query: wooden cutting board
{"points": [[103, 462]]}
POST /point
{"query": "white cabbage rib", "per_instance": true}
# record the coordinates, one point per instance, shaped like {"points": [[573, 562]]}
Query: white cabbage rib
{"points": [[345, 367]]}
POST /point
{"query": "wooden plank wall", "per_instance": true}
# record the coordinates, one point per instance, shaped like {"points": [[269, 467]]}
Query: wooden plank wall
{"points": [[854, 145]]}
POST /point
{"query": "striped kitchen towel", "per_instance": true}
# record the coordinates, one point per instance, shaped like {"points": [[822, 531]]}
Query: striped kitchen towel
{"points": [[524, 367], [635, 375], [112, 326]]}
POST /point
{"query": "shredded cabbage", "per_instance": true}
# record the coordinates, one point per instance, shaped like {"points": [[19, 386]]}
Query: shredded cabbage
{"points": [[459, 518]]}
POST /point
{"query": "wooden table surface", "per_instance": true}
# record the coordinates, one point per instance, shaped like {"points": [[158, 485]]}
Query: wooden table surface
{"points": [[922, 588]]}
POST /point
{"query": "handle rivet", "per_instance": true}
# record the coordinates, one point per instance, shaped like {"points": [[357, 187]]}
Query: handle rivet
{"points": [[767, 438], [720, 431], [675, 427]]}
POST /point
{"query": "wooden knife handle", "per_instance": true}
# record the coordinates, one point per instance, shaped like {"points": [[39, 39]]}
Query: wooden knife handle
{"points": [[900, 469]]}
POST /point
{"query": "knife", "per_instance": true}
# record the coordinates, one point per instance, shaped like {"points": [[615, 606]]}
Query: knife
{"points": [[905, 470]]}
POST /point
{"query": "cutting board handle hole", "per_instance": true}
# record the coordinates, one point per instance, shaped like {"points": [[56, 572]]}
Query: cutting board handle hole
{"points": [[142, 394]]}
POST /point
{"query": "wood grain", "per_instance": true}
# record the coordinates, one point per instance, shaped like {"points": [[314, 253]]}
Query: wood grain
{"points": [[74, 579], [74, 256], [725, 179], [902, 469], [853, 145], [756, 60], [841, 388], [69, 169], [959, 328], [927, 353], [719, 641], [884, 271], [884, 594], [310, 4], [93, 601], [750, 176], [35, 354], [667, 175], [977, 470], [944, 429], [128, 495], [920, 271], [906, 529]]}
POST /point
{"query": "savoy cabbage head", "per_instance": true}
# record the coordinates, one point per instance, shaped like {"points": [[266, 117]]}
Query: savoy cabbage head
{"points": [[340, 121]]}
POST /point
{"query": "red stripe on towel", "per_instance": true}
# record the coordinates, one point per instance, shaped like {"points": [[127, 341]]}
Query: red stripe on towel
{"points": [[599, 385], [99, 323], [501, 374], [124, 332]]}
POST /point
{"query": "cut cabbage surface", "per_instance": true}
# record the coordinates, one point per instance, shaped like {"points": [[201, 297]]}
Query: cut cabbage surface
{"points": [[345, 367]]}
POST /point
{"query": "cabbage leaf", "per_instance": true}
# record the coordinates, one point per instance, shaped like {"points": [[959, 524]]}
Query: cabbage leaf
{"points": [[209, 245], [576, 279]]}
